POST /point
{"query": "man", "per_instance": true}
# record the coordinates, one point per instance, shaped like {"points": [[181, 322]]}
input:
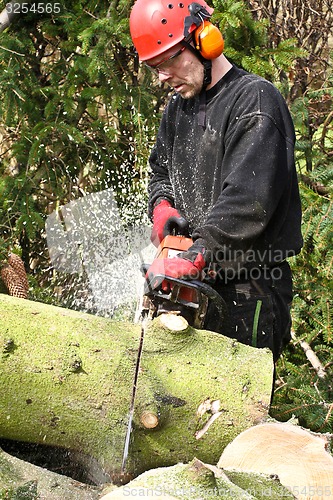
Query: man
{"points": [[224, 161]]}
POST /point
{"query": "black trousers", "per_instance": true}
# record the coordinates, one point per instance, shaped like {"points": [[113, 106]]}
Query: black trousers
{"points": [[258, 308]]}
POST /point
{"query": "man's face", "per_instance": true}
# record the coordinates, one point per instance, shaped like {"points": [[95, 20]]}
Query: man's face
{"points": [[181, 69]]}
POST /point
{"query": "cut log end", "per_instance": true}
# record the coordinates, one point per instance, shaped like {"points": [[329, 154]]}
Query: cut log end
{"points": [[149, 420], [174, 322], [298, 457]]}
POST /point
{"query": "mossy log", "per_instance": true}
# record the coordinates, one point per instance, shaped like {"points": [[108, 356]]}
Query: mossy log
{"points": [[23, 480], [66, 380], [268, 461], [200, 481], [296, 464], [196, 480]]}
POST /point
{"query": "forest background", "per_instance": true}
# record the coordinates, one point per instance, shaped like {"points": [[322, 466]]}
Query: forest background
{"points": [[79, 115]]}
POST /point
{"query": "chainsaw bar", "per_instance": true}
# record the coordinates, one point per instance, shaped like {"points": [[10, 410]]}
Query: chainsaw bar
{"points": [[134, 390]]}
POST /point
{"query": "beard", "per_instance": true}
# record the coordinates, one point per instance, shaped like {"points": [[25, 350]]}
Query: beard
{"points": [[188, 90], [192, 84], [190, 93]]}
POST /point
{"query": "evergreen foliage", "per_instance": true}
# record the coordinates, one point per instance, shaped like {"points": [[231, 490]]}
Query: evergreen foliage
{"points": [[302, 392], [247, 44], [74, 117]]}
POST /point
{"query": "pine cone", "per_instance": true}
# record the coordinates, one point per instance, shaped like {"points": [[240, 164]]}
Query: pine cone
{"points": [[16, 263], [13, 282]]}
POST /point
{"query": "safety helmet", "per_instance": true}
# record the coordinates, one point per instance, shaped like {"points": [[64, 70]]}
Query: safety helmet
{"points": [[158, 25]]}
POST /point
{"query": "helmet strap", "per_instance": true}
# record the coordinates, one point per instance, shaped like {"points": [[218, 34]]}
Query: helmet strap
{"points": [[207, 64]]}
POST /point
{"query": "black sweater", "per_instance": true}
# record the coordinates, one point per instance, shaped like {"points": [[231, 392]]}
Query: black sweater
{"points": [[234, 180]]}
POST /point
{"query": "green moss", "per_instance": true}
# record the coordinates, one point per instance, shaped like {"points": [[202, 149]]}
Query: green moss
{"points": [[70, 376], [196, 481], [260, 486], [196, 366], [27, 491], [7, 471], [21, 480], [68, 383]]}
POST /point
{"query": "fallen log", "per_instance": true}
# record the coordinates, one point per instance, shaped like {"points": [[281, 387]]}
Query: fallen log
{"points": [[282, 448], [22, 480], [66, 381], [199, 481]]}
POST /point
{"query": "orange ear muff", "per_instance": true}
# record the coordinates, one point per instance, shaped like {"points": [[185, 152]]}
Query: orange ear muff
{"points": [[208, 40]]}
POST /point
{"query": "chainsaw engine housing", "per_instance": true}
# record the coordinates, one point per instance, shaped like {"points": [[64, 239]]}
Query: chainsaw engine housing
{"points": [[188, 298]]}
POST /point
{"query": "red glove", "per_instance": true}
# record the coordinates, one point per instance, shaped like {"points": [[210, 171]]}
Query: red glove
{"points": [[162, 213], [188, 265]]}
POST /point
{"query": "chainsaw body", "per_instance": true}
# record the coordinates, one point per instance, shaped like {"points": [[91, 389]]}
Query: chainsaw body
{"points": [[188, 298]]}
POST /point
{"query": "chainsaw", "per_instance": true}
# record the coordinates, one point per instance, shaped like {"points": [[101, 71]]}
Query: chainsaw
{"points": [[188, 298]]}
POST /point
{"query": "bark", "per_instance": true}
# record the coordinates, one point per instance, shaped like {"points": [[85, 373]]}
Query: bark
{"points": [[311, 355], [200, 481], [285, 452], [66, 380], [22, 480], [317, 187], [195, 480]]}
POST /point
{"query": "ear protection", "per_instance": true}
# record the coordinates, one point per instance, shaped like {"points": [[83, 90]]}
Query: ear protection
{"points": [[208, 40]]}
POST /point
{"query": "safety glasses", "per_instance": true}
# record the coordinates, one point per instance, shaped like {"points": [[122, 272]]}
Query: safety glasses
{"points": [[165, 65]]}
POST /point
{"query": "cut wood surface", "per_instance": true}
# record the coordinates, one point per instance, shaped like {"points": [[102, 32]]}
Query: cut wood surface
{"points": [[66, 380], [149, 420], [298, 457], [173, 322]]}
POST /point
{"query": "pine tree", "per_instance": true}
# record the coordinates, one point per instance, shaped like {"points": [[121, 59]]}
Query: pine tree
{"points": [[74, 118]]}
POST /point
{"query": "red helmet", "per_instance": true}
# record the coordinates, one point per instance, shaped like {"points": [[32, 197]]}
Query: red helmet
{"points": [[158, 25]]}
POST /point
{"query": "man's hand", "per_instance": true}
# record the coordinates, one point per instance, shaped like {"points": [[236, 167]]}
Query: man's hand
{"points": [[187, 265], [165, 219]]}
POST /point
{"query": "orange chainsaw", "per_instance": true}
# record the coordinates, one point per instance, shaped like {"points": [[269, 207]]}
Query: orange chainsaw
{"points": [[189, 298]]}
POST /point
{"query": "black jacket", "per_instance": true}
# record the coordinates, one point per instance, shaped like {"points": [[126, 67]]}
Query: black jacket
{"points": [[234, 180]]}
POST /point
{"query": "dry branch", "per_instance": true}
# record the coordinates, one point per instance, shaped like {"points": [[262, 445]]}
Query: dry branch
{"points": [[311, 355]]}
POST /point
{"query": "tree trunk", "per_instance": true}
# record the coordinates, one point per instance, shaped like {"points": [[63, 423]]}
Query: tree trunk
{"points": [[200, 481], [22, 480], [281, 450], [66, 380]]}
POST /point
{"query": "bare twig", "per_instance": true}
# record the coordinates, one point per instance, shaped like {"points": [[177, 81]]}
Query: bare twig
{"points": [[311, 355], [201, 432]]}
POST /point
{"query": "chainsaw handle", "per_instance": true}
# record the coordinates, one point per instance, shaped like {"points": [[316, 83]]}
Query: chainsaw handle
{"points": [[177, 226]]}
